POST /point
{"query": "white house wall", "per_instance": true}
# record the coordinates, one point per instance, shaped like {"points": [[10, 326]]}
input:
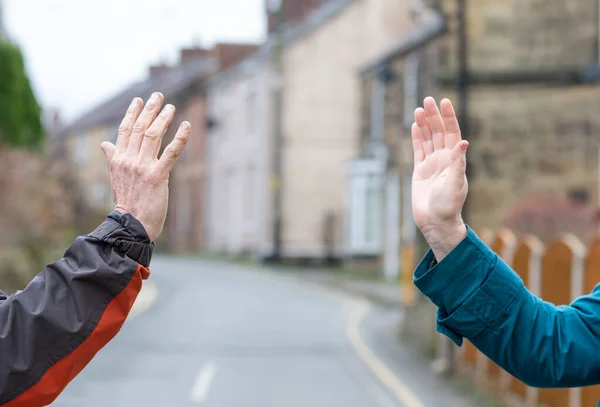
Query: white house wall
{"points": [[322, 115], [238, 162]]}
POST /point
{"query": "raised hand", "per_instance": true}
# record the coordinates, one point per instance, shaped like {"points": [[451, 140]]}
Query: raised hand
{"points": [[439, 186], [140, 180]]}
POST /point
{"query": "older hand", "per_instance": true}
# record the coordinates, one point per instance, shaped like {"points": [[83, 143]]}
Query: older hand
{"points": [[140, 180], [439, 186]]}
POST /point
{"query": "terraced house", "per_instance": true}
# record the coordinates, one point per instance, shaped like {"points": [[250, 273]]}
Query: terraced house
{"points": [[531, 101], [304, 139], [183, 85]]}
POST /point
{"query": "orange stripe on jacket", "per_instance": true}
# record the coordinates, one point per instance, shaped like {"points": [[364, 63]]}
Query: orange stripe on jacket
{"points": [[62, 372]]}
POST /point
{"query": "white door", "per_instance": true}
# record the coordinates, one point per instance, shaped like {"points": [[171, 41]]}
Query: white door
{"points": [[365, 208]]}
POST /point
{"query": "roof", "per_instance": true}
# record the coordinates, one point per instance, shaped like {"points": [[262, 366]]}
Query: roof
{"points": [[433, 25], [169, 83], [322, 15], [289, 33]]}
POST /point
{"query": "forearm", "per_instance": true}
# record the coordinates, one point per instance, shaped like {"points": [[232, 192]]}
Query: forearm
{"points": [[482, 299], [69, 311], [544, 345], [442, 240]]}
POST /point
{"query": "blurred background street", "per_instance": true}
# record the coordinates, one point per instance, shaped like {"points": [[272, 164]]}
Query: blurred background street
{"points": [[222, 335], [283, 276]]}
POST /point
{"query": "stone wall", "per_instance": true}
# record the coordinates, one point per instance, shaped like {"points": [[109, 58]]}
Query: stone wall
{"points": [[525, 34], [527, 140]]}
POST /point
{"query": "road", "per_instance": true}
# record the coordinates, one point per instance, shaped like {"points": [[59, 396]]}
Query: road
{"points": [[222, 335]]}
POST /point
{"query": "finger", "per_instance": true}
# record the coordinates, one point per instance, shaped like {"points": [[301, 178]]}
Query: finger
{"points": [[144, 121], [154, 135], [450, 123], [424, 130], [174, 149], [436, 124], [459, 160], [109, 151], [133, 112], [419, 154]]}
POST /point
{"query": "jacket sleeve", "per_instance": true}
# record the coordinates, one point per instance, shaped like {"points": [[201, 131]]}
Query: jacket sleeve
{"points": [[52, 329], [480, 298]]}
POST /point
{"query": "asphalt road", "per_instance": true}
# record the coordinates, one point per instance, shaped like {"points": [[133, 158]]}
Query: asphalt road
{"points": [[222, 335]]}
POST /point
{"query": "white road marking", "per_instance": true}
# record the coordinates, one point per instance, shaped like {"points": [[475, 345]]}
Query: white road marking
{"points": [[203, 383], [384, 374]]}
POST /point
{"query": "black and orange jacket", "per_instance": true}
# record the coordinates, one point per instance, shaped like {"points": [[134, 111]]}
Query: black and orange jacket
{"points": [[52, 329]]}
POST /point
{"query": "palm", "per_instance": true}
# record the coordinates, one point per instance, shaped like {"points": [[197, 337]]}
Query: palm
{"points": [[439, 184]]}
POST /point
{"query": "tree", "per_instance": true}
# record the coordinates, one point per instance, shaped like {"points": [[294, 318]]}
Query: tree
{"points": [[37, 215], [20, 113]]}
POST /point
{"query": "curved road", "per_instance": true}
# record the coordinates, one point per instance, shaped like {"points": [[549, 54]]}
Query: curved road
{"points": [[224, 335]]}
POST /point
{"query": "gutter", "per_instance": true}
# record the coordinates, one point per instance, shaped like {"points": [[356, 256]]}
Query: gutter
{"points": [[432, 26], [565, 76]]}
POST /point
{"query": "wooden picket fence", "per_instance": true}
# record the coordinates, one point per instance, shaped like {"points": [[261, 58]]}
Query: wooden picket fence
{"points": [[558, 273]]}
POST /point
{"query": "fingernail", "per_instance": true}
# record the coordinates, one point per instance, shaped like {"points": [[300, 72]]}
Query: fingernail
{"points": [[166, 111], [185, 125], [154, 97]]}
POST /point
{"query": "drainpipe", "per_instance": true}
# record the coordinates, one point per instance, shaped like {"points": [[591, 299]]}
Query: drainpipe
{"points": [[380, 149], [463, 85], [276, 178], [597, 32], [463, 116]]}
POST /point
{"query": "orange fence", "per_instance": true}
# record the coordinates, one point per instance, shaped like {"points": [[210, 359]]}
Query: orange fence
{"points": [[557, 273]]}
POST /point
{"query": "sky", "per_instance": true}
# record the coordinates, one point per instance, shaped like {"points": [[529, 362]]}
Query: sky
{"points": [[80, 52]]}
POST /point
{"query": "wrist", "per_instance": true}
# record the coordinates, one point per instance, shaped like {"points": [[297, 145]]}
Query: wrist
{"points": [[444, 238]]}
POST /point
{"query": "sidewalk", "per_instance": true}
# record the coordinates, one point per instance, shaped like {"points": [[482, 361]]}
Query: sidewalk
{"points": [[388, 294], [381, 331]]}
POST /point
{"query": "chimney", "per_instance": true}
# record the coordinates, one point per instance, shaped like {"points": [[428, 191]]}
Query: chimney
{"points": [[293, 11], [158, 69], [228, 55], [194, 54]]}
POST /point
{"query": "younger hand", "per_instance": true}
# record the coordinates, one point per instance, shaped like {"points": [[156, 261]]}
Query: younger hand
{"points": [[140, 180], [439, 186]]}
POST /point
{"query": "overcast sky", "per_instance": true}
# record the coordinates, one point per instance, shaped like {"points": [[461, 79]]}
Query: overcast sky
{"points": [[79, 52]]}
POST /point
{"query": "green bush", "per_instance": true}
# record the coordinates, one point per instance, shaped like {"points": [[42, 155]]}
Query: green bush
{"points": [[20, 113]]}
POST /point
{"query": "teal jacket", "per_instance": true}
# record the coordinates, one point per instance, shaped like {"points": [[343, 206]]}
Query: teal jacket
{"points": [[480, 298]]}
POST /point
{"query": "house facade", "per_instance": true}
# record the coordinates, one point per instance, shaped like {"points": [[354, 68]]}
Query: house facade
{"points": [[183, 85], [531, 95], [322, 124], [238, 161]]}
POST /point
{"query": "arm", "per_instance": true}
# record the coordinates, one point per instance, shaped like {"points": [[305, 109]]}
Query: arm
{"points": [[480, 298], [52, 329]]}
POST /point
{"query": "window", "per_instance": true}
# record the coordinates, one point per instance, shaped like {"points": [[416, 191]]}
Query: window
{"points": [[251, 109], [373, 210], [411, 87], [250, 195]]}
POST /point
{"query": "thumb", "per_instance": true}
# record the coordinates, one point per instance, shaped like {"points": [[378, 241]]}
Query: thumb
{"points": [[459, 159], [109, 150]]}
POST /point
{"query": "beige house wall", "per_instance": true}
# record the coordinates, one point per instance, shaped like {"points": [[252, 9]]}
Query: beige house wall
{"points": [[322, 116]]}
